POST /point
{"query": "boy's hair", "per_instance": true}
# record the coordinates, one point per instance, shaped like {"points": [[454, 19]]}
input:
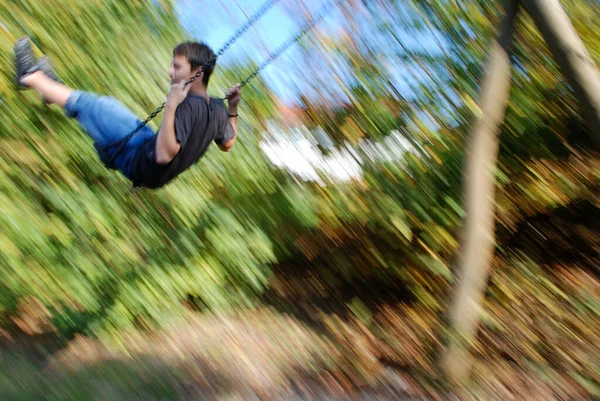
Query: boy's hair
{"points": [[196, 54]]}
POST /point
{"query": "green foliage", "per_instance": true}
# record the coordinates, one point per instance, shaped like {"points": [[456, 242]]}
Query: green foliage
{"points": [[104, 258], [114, 380]]}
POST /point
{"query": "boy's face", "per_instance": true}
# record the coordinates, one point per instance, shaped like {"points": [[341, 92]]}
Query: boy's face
{"points": [[180, 69]]}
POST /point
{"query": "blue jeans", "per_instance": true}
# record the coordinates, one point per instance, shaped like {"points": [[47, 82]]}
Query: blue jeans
{"points": [[106, 120]]}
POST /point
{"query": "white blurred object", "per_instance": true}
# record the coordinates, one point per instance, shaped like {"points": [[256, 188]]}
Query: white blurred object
{"points": [[296, 149]]}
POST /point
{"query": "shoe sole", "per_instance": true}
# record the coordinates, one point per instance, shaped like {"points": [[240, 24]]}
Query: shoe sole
{"points": [[22, 47]]}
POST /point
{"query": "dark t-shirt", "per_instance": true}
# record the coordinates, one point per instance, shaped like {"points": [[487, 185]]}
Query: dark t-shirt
{"points": [[197, 124]]}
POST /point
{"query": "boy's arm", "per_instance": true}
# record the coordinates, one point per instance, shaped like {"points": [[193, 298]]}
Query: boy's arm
{"points": [[234, 96], [226, 147], [167, 145]]}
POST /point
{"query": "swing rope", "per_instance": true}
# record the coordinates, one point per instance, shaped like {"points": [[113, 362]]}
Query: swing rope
{"points": [[322, 13]]}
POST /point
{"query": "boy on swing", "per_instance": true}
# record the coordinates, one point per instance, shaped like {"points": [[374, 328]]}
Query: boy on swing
{"points": [[191, 120]]}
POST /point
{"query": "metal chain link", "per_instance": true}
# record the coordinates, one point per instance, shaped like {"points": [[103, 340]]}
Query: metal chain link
{"points": [[122, 142], [235, 37], [322, 13], [247, 26]]}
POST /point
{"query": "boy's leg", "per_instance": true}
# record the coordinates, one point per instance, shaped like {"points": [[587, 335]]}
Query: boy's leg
{"points": [[103, 118], [51, 90]]}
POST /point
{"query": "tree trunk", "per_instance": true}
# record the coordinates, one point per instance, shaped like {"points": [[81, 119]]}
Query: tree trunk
{"points": [[572, 56], [477, 237]]}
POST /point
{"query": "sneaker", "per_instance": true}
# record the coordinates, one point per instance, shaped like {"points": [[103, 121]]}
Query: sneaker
{"points": [[24, 60], [43, 65]]}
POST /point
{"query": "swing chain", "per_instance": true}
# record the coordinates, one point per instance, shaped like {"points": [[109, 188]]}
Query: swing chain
{"points": [[246, 26], [307, 26], [235, 37], [122, 142]]}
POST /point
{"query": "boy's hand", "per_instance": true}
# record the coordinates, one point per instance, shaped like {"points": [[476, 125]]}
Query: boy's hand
{"points": [[234, 96], [177, 94]]}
